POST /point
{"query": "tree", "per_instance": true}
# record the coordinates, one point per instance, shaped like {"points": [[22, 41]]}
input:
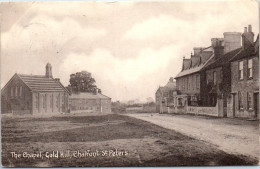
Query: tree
{"points": [[83, 82]]}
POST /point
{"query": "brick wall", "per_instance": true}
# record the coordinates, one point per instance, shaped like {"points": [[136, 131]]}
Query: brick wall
{"points": [[106, 105], [55, 102], [189, 84], [245, 86], [17, 102]]}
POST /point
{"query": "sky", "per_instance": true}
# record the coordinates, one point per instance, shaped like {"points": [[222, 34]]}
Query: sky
{"points": [[130, 48]]}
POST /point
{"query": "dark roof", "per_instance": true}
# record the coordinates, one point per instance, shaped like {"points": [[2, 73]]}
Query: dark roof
{"points": [[248, 52], [170, 86], [42, 83], [222, 60], [88, 95], [196, 62], [186, 64]]}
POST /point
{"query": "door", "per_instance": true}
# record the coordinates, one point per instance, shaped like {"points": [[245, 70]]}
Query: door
{"points": [[256, 104], [234, 105], [225, 106]]}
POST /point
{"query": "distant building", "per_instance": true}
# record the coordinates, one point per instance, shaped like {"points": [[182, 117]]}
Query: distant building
{"points": [[89, 102], [245, 78], [164, 96], [34, 94]]}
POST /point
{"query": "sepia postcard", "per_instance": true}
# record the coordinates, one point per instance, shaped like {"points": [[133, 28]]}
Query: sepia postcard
{"points": [[129, 83]]}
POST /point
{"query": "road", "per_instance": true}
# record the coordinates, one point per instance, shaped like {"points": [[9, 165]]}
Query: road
{"points": [[233, 136]]}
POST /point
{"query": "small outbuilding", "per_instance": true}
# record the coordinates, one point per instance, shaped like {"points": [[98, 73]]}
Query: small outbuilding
{"points": [[88, 102]]}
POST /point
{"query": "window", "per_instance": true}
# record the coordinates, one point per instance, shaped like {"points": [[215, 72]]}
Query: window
{"points": [[43, 101], [16, 90], [187, 83], [12, 92], [249, 68], [249, 101], [197, 81], [179, 101], [57, 101], [51, 101], [36, 101], [214, 78], [194, 83], [240, 70], [21, 90], [62, 99], [208, 78], [240, 101]]}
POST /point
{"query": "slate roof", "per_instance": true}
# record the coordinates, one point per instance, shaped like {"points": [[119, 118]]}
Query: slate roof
{"points": [[192, 70], [168, 87], [171, 85], [88, 95], [196, 62], [40, 83], [226, 58], [186, 64]]}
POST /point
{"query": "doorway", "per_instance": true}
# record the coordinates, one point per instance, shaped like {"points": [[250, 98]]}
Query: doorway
{"points": [[256, 104], [234, 105]]}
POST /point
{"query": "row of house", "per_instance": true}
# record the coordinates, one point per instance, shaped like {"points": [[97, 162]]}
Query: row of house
{"points": [[43, 94], [221, 79]]}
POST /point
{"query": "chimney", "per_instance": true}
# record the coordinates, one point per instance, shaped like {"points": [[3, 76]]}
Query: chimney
{"points": [[48, 72], [247, 37], [171, 79], [217, 45], [232, 41], [57, 79], [197, 50]]}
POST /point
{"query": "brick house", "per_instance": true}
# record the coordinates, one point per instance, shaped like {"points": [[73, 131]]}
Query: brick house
{"points": [[217, 80], [164, 96], [188, 81], [245, 78], [34, 94], [218, 75], [89, 102]]}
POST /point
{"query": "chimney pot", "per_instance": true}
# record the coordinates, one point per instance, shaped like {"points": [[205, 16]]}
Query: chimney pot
{"points": [[245, 29], [249, 28], [48, 72]]}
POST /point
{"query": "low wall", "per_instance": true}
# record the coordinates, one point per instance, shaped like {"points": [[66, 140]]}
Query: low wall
{"points": [[210, 111], [20, 112], [134, 109], [83, 111]]}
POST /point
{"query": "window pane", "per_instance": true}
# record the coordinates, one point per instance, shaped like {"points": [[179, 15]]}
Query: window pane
{"points": [[250, 63], [241, 65]]}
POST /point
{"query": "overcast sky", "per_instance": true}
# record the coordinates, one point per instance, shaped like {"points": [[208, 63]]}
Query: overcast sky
{"points": [[129, 47]]}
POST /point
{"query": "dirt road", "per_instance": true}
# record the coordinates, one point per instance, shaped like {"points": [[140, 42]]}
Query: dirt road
{"points": [[230, 135]]}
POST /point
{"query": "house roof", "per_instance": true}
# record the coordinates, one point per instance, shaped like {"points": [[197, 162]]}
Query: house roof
{"points": [[171, 85], [186, 64], [42, 83], [222, 60], [88, 95], [192, 70], [250, 51], [196, 62]]}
